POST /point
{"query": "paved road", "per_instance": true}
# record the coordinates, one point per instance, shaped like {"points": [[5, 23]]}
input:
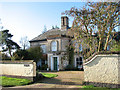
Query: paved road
{"points": [[65, 79]]}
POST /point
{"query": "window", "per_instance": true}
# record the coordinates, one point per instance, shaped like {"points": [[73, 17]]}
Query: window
{"points": [[108, 47], [54, 46], [43, 48], [80, 48], [79, 62]]}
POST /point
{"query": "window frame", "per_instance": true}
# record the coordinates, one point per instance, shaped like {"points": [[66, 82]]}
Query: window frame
{"points": [[54, 47]]}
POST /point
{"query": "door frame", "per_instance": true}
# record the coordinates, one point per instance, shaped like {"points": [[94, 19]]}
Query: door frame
{"points": [[52, 62]]}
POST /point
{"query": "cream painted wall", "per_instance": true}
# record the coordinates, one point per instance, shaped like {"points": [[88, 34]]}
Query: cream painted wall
{"points": [[19, 69], [103, 69]]}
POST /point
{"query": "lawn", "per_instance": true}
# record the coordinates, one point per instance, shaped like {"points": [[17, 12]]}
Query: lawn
{"points": [[93, 87], [8, 81], [49, 75]]}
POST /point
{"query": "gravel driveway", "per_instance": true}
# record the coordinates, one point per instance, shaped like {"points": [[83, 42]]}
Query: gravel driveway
{"points": [[65, 79]]}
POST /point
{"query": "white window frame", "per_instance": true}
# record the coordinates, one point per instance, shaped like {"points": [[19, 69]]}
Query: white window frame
{"points": [[54, 47], [43, 46], [80, 47]]}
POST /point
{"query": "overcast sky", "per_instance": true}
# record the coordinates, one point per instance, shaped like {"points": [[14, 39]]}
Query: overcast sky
{"points": [[28, 18]]}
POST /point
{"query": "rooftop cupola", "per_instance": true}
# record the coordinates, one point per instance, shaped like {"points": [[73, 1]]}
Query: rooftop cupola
{"points": [[64, 22]]}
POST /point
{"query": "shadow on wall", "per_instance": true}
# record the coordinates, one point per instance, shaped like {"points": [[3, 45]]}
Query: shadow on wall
{"points": [[93, 62], [97, 59]]}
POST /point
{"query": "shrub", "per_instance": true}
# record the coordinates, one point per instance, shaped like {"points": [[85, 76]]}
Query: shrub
{"points": [[35, 53], [43, 67], [22, 55], [71, 67], [5, 57]]}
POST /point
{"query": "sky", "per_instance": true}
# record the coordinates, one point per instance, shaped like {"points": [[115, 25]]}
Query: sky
{"points": [[29, 18]]}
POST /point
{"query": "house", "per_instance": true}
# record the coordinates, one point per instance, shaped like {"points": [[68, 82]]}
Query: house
{"points": [[54, 43]]}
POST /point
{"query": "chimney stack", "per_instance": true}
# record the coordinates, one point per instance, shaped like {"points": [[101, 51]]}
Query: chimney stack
{"points": [[64, 22]]}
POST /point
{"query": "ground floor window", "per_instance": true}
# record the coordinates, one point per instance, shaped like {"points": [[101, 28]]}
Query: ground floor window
{"points": [[79, 62]]}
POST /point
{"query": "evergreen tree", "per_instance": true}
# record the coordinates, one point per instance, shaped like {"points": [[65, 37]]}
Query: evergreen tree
{"points": [[45, 29], [7, 43]]}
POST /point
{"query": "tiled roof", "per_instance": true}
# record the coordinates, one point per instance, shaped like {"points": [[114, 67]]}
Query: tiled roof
{"points": [[48, 33]]}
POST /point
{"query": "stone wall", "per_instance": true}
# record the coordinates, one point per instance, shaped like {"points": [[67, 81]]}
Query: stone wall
{"points": [[103, 70], [23, 69]]}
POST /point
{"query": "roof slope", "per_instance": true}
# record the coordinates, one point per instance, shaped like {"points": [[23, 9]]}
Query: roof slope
{"points": [[48, 33]]}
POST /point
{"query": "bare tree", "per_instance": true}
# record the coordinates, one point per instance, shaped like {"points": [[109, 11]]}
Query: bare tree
{"points": [[24, 42], [98, 18]]}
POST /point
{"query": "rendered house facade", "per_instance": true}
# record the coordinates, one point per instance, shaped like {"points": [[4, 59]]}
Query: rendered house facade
{"points": [[54, 43]]}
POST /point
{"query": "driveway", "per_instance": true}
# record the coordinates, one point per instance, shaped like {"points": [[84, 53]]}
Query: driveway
{"points": [[65, 79]]}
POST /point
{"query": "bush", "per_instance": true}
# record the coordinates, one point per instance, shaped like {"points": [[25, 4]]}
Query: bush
{"points": [[71, 67], [38, 76], [5, 57], [43, 67], [35, 53], [22, 55]]}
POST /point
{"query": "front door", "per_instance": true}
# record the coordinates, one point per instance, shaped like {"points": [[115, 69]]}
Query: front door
{"points": [[55, 63]]}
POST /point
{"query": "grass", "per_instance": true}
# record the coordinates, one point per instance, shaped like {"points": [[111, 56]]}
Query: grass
{"points": [[8, 81], [49, 75], [93, 87]]}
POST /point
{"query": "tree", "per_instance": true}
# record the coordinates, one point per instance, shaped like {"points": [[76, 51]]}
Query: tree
{"points": [[35, 53], [53, 27], [45, 29], [56, 27], [22, 55], [24, 42], [6, 42], [5, 56], [94, 26]]}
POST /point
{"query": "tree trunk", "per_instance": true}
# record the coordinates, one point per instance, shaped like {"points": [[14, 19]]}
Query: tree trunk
{"points": [[99, 46], [9, 49], [106, 44]]}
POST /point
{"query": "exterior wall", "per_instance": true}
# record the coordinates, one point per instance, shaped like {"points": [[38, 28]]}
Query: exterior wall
{"points": [[119, 69], [61, 47], [18, 68], [61, 64], [33, 44], [103, 69], [64, 44]]}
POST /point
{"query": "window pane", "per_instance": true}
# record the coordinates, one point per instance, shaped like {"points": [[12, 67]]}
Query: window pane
{"points": [[54, 46], [43, 48], [80, 48]]}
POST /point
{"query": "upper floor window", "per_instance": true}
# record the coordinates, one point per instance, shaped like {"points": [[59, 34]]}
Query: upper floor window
{"points": [[54, 46], [108, 47], [80, 47], [43, 48]]}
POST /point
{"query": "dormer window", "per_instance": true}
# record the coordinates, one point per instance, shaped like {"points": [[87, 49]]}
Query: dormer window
{"points": [[54, 46]]}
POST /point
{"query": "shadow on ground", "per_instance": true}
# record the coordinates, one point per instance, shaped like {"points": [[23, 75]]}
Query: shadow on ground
{"points": [[55, 81], [64, 78]]}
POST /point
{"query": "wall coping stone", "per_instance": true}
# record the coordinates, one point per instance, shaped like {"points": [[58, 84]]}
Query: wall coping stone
{"points": [[17, 62], [99, 55], [101, 52]]}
